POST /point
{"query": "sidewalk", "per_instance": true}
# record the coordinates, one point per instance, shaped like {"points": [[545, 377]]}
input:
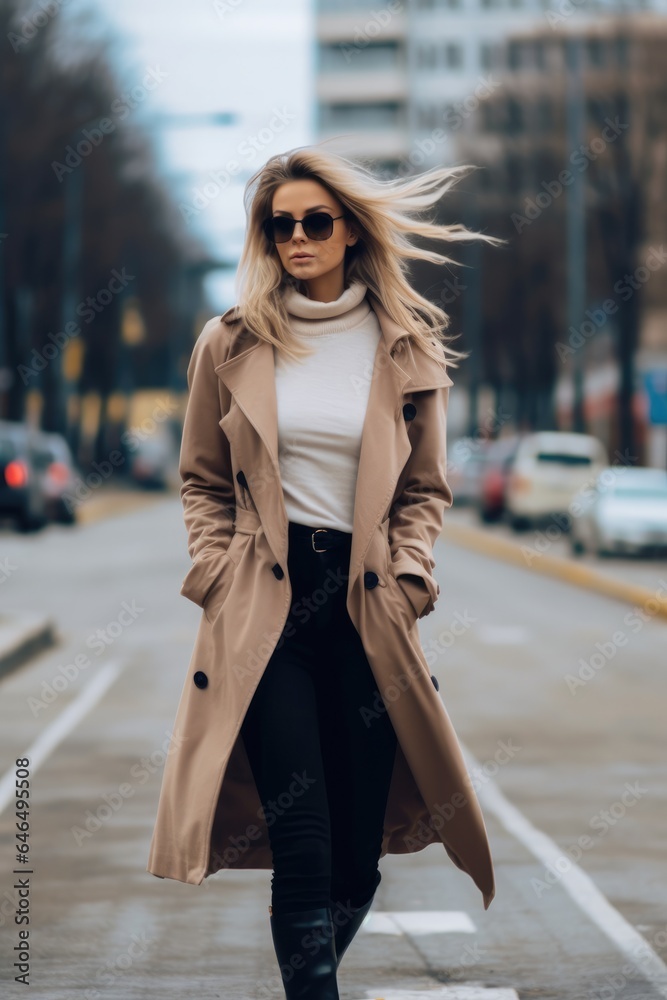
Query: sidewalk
{"points": [[640, 582]]}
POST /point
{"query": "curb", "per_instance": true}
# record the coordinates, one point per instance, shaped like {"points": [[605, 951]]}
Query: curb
{"points": [[581, 576], [116, 504], [21, 637]]}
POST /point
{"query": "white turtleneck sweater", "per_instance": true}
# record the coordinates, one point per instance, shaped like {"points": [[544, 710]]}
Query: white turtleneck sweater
{"points": [[322, 404]]}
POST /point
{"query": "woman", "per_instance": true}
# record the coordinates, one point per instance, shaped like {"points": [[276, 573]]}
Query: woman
{"points": [[312, 739]]}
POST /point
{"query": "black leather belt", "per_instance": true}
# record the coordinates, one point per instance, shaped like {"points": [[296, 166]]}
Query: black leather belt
{"points": [[321, 539]]}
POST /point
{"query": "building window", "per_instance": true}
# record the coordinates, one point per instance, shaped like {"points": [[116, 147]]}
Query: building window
{"points": [[544, 115], [513, 55], [514, 115], [595, 52], [386, 169], [427, 117], [596, 110], [345, 57], [426, 56], [488, 116], [450, 116], [622, 51], [514, 179], [486, 55], [622, 106], [543, 166], [362, 116], [484, 179], [453, 53]]}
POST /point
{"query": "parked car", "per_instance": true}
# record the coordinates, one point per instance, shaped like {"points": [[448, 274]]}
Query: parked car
{"points": [[58, 475], [465, 466], [624, 511], [21, 496], [498, 462], [152, 460], [549, 467]]}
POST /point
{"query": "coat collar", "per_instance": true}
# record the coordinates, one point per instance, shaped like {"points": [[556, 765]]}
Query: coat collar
{"points": [[399, 368], [421, 371]]}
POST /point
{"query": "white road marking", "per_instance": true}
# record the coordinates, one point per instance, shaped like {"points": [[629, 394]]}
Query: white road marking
{"points": [[61, 726], [576, 882], [415, 922], [468, 992]]}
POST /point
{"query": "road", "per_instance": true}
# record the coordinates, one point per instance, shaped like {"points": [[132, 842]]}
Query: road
{"points": [[566, 748]]}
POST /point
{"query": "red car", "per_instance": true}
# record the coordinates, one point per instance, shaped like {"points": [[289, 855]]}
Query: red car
{"points": [[498, 460]]}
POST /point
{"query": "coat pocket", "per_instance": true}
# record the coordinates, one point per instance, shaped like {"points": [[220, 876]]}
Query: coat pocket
{"points": [[219, 591], [402, 597], [412, 587], [415, 590]]}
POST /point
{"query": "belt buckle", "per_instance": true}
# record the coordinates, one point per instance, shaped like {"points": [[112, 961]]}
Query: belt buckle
{"points": [[312, 539]]}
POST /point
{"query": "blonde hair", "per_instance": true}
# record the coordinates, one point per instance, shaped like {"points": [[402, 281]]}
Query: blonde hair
{"points": [[384, 213]]}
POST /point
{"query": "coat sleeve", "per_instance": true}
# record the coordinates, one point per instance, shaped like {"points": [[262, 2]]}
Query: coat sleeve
{"points": [[417, 514], [207, 490]]}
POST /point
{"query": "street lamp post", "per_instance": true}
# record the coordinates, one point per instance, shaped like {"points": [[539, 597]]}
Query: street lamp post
{"points": [[576, 222]]}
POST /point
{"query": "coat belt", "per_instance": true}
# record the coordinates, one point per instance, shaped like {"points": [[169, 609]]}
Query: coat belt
{"points": [[246, 521]]}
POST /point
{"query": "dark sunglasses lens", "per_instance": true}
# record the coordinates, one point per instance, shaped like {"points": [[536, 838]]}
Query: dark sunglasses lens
{"points": [[279, 229], [318, 226]]}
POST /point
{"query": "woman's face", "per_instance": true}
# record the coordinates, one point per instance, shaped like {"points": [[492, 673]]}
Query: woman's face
{"points": [[299, 198]]}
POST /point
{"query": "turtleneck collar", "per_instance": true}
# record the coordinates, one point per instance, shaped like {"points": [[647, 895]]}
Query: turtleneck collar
{"points": [[310, 318]]}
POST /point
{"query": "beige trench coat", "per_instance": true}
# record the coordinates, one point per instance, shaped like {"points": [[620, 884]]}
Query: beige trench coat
{"points": [[209, 814]]}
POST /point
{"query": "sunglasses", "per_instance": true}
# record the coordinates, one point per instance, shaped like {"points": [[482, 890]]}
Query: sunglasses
{"points": [[316, 226]]}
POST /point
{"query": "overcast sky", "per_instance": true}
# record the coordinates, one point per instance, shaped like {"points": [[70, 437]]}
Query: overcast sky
{"points": [[250, 57]]}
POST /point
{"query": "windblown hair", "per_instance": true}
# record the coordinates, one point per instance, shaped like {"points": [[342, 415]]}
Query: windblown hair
{"points": [[384, 214]]}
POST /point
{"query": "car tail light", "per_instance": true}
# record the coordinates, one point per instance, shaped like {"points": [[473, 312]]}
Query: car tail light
{"points": [[493, 484], [58, 472], [16, 473]]}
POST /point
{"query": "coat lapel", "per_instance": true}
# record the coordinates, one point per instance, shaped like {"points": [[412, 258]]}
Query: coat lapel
{"points": [[385, 447]]}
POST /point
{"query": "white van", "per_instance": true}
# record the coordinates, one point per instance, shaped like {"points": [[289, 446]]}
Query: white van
{"points": [[548, 469]]}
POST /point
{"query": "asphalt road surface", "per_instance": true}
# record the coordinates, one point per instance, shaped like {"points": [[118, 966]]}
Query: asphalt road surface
{"points": [[558, 696]]}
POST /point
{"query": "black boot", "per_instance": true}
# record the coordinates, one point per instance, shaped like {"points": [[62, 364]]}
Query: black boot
{"points": [[347, 930], [307, 937]]}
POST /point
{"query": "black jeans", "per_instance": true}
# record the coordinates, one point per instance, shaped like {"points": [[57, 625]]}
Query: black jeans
{"points": [[321, 763]]}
